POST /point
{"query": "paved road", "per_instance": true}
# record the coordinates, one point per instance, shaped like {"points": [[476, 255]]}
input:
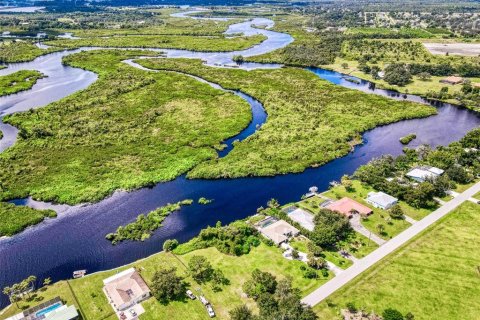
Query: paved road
{"points": [[363, 264]]}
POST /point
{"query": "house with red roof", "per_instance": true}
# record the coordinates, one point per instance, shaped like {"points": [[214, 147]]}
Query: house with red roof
{"points": [[348, 207]]}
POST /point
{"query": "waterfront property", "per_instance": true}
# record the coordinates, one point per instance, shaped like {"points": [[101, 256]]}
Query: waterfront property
{"points": [[348, 207], [53, 309], [302, 217], [381, 200], [279, 231], [423, 173], [125, 289]]}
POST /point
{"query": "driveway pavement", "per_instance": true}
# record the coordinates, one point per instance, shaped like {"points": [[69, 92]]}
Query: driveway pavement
{"points": [[363, 264], [357, 226]]}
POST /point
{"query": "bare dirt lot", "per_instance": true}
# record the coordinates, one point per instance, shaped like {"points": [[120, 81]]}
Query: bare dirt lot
{"points": [[462, 49]]}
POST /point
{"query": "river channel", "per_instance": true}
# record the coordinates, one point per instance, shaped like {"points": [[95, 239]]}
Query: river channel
{"points": [[76, 239]]}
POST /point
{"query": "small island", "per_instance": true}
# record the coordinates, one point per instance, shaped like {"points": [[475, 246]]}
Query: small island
{"points": [[408, 138]]}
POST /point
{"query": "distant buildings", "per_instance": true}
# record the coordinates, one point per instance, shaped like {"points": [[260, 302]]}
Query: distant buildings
{"points": [[421, 174], [348, 207], [381, 200], [279, 231], [53, 309], [125, 289]]}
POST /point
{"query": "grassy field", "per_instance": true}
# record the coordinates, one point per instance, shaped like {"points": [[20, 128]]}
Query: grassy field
{"points": [[310, 121], [435, 276], [194, 43], [127, 130], [18, 81], [21, 51], [14, 219], [379, 216], [94, 304]]}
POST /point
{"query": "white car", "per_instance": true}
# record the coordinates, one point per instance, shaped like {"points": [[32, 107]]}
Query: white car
{"points": [[191, 295], [210, 311], [133, 312], [204, 301]]}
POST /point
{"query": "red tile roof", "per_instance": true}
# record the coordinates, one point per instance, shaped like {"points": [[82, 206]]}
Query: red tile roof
{"points": [[347, 205]]}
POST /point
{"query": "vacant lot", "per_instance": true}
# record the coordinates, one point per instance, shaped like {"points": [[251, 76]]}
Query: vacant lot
{"points": [[461, 49], [435, 276]]}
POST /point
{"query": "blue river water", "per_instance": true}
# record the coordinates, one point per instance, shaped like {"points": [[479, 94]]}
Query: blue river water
{"points": [[75, 240]]}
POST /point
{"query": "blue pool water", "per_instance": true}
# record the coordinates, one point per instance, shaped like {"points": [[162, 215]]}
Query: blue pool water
{"points": [[49, 309]]}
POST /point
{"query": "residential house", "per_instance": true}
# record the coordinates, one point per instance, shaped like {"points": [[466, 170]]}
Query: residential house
{"points": [[279, 231], [53, 309], [348, 207], [303, 217], [381, 200], [125, 289], [421, 174]]}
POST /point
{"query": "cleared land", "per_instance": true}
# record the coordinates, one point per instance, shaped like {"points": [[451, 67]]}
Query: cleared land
{"points": [[94, 305], [127, 130], [461, 49], [310, 121], [435, 276], [18, 81]]}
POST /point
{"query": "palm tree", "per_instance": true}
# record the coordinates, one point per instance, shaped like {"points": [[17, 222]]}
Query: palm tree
{"points": [[47, 281], [380, 228], [9, 292]]}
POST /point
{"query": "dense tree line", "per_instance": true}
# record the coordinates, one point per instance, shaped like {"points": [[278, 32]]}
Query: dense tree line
{"points": [[275, 300]]}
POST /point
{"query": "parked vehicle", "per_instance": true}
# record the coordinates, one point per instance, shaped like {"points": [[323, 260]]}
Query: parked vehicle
{"points": [[191, 295], [210, 311], [204, 301], [133, 312]]}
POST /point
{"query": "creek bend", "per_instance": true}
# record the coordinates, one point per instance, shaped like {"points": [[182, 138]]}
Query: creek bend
{"points": [[75, 240]]}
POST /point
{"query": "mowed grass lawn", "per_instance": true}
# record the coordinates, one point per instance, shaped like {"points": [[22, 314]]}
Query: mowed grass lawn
{"points": [[94, 304], [379, 216], [435, 276]]}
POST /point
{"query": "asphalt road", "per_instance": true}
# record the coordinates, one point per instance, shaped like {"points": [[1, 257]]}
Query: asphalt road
{"points": [[363, 264]]}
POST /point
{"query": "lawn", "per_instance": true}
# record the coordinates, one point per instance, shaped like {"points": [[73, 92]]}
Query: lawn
{"points": [[434, 276], [294, 137], [379, 216], [337, 259], [358, 245], [462, 187], [311, 204], [94, 304]]}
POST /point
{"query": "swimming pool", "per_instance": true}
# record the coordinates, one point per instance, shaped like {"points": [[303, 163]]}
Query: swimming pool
{"points": [[49, 309]]}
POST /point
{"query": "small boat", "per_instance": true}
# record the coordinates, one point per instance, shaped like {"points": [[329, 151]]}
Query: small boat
{"points": [[79, 273]]}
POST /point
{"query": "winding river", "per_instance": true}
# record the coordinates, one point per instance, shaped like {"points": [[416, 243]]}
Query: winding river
{"points": [[75, 240]]}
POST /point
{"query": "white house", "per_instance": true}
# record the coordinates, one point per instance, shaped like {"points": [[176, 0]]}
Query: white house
{"points": [[125, 289], [381, 200], [279, 231], [421, 174]]}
